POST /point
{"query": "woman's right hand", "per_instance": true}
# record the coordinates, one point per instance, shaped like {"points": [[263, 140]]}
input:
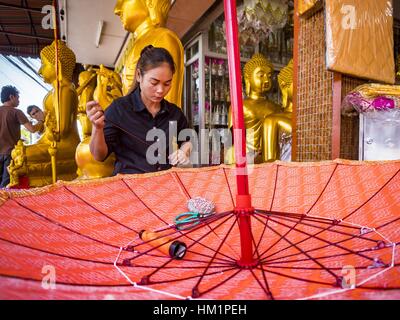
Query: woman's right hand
{"points": [[95, 114]]}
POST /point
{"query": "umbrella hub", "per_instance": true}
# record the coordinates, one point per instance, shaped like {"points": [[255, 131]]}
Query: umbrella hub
{"points": [[244, 211]]}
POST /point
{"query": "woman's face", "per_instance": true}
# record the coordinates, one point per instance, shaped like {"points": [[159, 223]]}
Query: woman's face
{"points": [[155, 83], [132, 13]]}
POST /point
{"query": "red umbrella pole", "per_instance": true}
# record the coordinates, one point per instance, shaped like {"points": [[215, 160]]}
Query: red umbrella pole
{"points": [[243, 208]]}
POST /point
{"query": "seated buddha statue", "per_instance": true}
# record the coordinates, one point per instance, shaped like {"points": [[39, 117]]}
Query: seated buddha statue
{"points": [[53, 156], [260, 114], [146, 19], [278, 126], [108, 88]]}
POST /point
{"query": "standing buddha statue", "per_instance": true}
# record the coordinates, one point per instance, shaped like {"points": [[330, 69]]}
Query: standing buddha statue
{"points": [[60, 137], [146, 19]]}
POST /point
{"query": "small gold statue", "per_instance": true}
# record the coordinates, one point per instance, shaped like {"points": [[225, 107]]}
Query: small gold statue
{"points": [[17, 165], [146, 19], [109, 88], [398, 67], [61, 137], [87, 86], [262, 117]]}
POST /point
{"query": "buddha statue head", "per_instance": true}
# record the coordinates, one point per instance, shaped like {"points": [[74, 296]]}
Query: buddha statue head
{"points": [[285, 80], [133, 13], [66, 58], [258, 75]]}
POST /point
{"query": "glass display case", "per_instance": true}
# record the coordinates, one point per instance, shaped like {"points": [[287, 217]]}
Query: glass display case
{"points": [[207, 96]]}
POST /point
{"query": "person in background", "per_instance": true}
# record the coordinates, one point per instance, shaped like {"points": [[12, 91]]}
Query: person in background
{"points": [[11, 120], [37, 114]]}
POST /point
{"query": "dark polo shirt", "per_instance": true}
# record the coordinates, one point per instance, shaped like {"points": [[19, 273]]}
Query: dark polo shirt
{"points": [[127, 123]]}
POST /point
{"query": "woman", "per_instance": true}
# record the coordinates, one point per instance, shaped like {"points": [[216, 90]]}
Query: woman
{"points": [[126, 123]]}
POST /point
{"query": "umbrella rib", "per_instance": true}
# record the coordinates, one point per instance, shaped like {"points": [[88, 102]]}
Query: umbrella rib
{"points": [[55, 253], [388, 223], [373, 196], [326, 241], [274, 261], [301, 218], [62, 226], [308, 251], [99, 211], [310, 257], [226, 269], [220, 284], [216, 252], [334, 231], [299, 279], [322, 231], [268, 290], [171, 259], [147, 207], [88, 285], [263, 232], [183, 188], [189, 197], [186, 235], [323, 190], [275, 187], [229, 187]]}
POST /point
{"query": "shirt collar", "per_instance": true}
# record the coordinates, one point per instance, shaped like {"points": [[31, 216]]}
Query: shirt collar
{"points": [[138, 105]]}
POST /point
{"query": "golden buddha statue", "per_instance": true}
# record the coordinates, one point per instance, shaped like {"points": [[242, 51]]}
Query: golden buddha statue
{"points": [[262, 117], [146, 19], [109, 88], [17, 165], [278, 127], [54, 153], [87, 86]]}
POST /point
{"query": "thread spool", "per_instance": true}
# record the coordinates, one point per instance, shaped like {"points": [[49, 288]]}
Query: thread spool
{"points": [[174, 249]]}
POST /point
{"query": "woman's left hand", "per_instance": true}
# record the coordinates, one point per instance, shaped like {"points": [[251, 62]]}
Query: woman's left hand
{"points": [[179, 157]]}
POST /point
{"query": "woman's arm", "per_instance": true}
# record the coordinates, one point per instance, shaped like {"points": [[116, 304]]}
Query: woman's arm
{"points": [[98, 146]]}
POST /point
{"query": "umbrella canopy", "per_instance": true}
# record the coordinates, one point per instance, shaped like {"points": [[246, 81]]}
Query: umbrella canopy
{"points": [[314, 225]]}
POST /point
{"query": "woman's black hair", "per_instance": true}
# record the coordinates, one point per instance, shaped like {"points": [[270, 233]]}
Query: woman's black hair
{"points": [[150, 58]]}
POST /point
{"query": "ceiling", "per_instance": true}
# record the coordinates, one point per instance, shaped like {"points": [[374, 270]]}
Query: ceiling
{"points": [[83, 27], [21, 31]]}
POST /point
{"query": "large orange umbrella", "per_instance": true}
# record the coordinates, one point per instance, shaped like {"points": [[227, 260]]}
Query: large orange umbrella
{"points": [[309, 231], [313, 223]]}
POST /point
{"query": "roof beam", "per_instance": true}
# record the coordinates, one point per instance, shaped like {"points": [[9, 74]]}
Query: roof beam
{"points": [[24, 8], [24, 35]]}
